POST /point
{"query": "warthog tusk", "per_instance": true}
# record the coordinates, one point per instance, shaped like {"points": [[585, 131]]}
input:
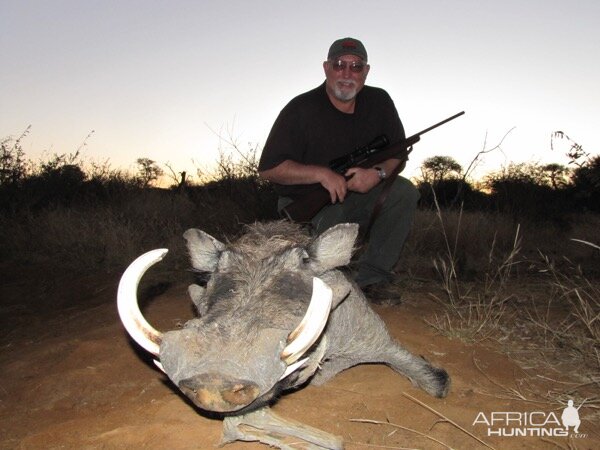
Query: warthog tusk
{"points": [[129, 311], [292, 368], [311, 326], [159, 365]]}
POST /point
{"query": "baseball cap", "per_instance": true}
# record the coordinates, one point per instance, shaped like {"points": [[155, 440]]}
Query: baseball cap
{"points": [[347, 46]]}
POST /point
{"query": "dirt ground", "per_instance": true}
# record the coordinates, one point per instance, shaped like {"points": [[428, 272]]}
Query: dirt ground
{"points": [[71, 379]]}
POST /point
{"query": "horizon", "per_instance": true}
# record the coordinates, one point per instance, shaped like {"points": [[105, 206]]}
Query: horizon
{"points": [[170, 177], [161, 81]]}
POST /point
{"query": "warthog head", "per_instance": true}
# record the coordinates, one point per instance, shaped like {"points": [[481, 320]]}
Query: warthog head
{"points": [[261, 314]]}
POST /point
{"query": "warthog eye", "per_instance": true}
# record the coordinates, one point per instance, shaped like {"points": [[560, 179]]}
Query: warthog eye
{"points": [[305, 257]]}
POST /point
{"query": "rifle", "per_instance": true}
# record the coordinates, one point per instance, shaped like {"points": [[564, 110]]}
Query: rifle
{"points": [[305, 208]]}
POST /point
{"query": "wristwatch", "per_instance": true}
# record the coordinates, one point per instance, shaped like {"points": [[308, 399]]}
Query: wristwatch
{"points": [[380, 172]]}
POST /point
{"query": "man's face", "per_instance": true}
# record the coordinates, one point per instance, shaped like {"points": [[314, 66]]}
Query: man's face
{"points": [[345, 76]]}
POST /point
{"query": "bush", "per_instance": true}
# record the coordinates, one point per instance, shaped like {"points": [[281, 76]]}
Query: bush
{"points": [[524, 192], [586, 184], [88, 217], [450, 193]]}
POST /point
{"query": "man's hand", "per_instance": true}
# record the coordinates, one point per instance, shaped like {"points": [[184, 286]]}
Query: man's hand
{"points": [[291, 172], [362, 180], [335, 184], [355, 179]]}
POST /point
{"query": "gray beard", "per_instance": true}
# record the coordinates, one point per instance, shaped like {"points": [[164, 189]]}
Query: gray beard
{"points": [[344, 95]]}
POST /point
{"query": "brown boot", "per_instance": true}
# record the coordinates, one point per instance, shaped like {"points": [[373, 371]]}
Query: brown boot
{"points": [[384, 293]]}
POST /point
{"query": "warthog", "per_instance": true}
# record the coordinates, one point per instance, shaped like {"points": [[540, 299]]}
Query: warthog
{"points": [[275, 314]]}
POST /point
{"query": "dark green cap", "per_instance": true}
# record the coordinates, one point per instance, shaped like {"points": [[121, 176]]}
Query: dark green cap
{"points": [[347, 46]]}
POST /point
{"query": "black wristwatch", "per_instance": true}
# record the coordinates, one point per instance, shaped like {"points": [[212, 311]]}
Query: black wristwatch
{"points": [[380, 172]]}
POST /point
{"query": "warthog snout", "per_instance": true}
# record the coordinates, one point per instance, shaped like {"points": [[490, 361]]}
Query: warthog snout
{"points": [[214, 392]]}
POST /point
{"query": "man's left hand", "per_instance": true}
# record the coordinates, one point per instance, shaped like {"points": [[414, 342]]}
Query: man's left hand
{"points": [[362, 180]]}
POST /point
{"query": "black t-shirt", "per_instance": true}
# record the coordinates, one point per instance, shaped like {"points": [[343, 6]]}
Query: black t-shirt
{"points": [[310, 130]]}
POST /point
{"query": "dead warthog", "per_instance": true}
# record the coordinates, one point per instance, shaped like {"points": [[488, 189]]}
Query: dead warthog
{"points": [[276, 313]]}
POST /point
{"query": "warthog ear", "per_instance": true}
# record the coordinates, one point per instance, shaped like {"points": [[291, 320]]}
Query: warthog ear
{"points": [[196, 293], [204, 249], [334, 247]]}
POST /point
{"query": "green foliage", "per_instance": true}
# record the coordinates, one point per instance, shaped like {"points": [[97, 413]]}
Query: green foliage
{"points": [[555, 175], [148, 171], [585, 177], [586, 181], [576, 154], [451, 192], [14, 167], [522, 190], [235, 180], [525, 190], [438, 168]]}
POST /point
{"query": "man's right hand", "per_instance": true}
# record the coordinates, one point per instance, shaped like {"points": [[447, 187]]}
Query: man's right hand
{"points": [[290, 172], [335, 184]]}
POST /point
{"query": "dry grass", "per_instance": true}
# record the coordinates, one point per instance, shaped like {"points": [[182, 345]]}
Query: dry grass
{"points": [[94, 237], [106, 236], [472, 312], [555, 329], [567, 325]]}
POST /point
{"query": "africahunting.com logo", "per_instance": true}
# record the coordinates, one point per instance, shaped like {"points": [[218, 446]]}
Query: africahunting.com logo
{"points": [[535, 423]]}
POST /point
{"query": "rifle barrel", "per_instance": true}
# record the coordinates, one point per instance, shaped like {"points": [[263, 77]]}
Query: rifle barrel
{"points": [[439, 124]]}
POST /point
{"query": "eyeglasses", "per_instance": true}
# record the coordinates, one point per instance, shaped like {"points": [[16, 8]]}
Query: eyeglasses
{"points": [[354, 66]]}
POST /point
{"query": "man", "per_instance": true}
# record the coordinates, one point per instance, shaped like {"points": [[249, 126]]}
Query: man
{"points": [[331, 121]]}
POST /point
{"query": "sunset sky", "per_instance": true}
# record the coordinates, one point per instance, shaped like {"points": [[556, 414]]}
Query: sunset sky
{"points": [[160, 79]]}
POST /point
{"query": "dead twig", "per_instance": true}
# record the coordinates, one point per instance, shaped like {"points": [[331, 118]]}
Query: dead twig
{"points": [[429, 408], [587, 243], [378, 422]]}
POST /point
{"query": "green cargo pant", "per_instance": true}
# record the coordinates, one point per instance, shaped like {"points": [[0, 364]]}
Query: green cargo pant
{"points": [[388, 233]]}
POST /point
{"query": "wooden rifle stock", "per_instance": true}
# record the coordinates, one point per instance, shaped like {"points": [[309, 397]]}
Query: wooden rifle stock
{"points": [[305, 208]]}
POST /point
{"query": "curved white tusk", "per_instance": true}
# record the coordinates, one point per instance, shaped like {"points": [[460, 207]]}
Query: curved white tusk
{"points": [[291, 368], [159, 365], [129, 311], [311, 326]]}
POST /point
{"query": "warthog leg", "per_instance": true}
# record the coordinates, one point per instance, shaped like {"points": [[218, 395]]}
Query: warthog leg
{"points": [[263, 425]]}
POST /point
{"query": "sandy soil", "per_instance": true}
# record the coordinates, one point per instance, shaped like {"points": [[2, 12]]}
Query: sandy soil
{"points": [[71, 379]]}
